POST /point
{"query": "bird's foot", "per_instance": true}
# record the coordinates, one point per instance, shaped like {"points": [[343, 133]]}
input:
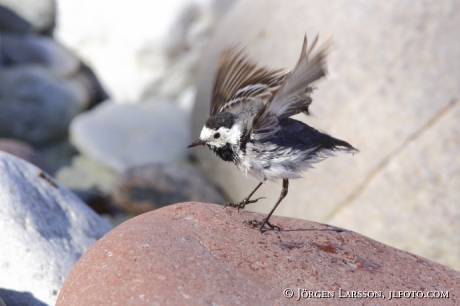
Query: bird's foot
{"points": [[261, 225], [242, 204]]}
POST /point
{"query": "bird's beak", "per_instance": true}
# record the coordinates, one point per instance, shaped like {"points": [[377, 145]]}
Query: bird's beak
{"points": [[197, 142]]}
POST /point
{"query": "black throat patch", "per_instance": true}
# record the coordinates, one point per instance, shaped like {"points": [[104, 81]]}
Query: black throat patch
{"points": [[221, 119], [225, 152]]}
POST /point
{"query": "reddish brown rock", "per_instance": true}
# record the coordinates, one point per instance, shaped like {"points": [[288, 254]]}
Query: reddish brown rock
{"points": [[204, 254]]}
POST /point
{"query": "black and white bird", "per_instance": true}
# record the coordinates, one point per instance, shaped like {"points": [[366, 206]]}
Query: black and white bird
{"points": [[250, 122]]}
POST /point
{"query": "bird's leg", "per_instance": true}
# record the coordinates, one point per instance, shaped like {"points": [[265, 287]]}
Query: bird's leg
{"points": [[246, 200], [284, 192]]}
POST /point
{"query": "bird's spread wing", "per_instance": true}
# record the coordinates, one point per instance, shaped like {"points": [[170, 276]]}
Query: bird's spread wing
{"points": [[293, 96], [239, 79]]}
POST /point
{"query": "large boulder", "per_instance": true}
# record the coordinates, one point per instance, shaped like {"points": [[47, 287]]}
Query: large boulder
{"points": [[392, 89], [204, 254], [45, 229]]}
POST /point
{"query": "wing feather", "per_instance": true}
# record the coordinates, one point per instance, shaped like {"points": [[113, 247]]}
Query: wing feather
{"points": [[293, 96], [239, 79]]}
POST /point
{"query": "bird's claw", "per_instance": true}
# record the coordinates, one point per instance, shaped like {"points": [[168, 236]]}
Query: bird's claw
{"points": [[261, 224], [242, 204]]}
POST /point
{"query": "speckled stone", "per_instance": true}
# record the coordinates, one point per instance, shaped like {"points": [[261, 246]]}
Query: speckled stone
{"points": [[204, 254]]}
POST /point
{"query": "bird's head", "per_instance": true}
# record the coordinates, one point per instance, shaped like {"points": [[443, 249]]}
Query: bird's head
{"points": [[219, 130]]}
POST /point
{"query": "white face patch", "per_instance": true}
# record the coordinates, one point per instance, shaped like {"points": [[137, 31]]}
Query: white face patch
{"points": [[222, 136]]}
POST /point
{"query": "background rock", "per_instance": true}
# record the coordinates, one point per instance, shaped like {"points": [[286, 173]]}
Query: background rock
{"points": [[97, 201], [429, 169], [121, 135], [41, 14], [143, 188], [18, 298], [85, 174], [58, 154], [41, 50], [94, 88], [45, 229], [24, 151], [388, 87], [135, 64], [203, 254], [10, 22], [36, 105]]}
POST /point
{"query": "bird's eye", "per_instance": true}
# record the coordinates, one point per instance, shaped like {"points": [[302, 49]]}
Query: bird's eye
{"points": [[216, 135]]}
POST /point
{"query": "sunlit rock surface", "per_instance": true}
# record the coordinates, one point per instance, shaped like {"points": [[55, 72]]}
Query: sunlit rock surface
{"points": [[45, 229], [140, 48], [204, 254], [392, 92]]}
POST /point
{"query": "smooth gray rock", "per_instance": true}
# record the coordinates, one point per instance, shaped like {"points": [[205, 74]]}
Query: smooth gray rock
{"points": [[41, 14], [45, 229], [36, 105], [41, 50], [123, 135], [10, 22]]}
